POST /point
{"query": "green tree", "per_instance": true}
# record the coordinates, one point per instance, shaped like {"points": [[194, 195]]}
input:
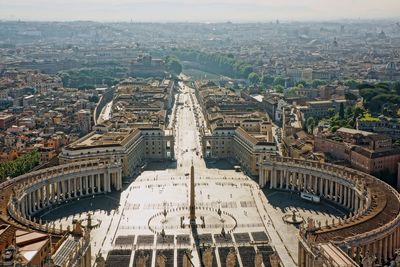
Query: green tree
{"points": [[20, 165], [310, 123], [292, 91], [396, 87], [279, 81], [254, 78], [317, 83], [341, 111], [173, 65], [94, 98], [331, 112], [278, 88], [352, 84], [267, 80]]}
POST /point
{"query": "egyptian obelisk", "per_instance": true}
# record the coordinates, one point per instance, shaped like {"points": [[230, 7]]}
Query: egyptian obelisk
{"points": [[192, 205]]}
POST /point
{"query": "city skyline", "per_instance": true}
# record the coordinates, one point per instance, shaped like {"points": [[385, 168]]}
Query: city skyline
{"points": [[197, 11]]}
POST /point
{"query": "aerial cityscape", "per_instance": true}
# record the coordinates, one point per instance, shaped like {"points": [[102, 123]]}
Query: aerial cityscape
{"points": [[200, 138]]}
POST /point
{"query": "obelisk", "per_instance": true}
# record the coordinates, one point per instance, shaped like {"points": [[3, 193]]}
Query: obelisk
{"points": [[192, 207]]}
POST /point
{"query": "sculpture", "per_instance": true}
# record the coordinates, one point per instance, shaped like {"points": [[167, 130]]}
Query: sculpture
{"points": [[100, 262], [207, 257], [310, 224], [160, 260], [231, 258], [368, 260], [274, 259], [397, 259], [187, 259], [258, 259], [142, 260]]}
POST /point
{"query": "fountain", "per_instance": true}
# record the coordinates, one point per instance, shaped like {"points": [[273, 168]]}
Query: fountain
{"points": [[293, 218]]}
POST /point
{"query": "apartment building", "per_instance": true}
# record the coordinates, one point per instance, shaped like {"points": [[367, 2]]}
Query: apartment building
{"points": [[365, 151]]}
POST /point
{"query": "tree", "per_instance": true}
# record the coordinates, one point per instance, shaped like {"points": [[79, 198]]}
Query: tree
{"points": [[20, 165], [310, 123], [278, 88], [317, 83], [267, 80], [396, 87], [245, 70], [279, 81], [292, 91], [331, 112], [94, 98], [352, 84], [254, 78], [341, 111], [350, 96], [173, 65]]}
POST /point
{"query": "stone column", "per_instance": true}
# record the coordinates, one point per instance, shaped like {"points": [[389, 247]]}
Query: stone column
{"points": [[266, 177], [349, 197], [271, 184], [69, 188], [63, 189], [326, 188], [385, 249], [98, 183], [92, 183], [288, 176], [37, 195], [52, 196], [305, 182], [47, 188], [331, 189], [23, 212], [80, 186], [119, 177], [321, 186], [316, 185], [361, 204], [390, 247], [294, 181], [34, 200], [264, 181], [86, 180], [336, 192], [109, 183], [28, 197], [75, 186]]}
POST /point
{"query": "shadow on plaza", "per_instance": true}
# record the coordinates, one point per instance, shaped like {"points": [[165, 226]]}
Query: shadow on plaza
{"points": [[161, 165], [286, 201], [104, 202], [219, 164]]}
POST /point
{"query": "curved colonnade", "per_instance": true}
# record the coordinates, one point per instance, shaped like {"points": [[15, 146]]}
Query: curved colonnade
{"points": [[372, 227], [39, 190]]}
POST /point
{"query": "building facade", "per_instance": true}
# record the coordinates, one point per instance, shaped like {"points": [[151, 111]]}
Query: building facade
{"points": [[238, 144], [131, 146]]}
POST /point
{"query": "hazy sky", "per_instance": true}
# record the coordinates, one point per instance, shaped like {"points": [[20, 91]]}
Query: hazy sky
{"points": [[196, 10]]}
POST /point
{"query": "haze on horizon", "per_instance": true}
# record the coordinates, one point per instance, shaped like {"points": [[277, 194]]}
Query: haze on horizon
{"points": [[197, 10]]}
